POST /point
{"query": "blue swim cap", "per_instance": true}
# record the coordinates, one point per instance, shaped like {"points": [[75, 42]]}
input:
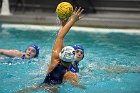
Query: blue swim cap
{"points": [[77, 46], [36, 48]]}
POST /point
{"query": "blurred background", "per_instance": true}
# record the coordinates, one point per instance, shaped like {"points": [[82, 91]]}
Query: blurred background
{"points": [[103, 13], [91, 6]]}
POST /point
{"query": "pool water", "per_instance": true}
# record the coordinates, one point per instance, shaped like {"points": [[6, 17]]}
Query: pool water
{"points": [[111, 63]]}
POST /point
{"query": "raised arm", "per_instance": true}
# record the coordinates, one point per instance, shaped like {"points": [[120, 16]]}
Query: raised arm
{"points": [[61, 34], [10, 53]]}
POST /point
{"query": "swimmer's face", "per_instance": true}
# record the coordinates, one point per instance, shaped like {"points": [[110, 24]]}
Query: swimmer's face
{"points": [[79, 54], [30, 53]]}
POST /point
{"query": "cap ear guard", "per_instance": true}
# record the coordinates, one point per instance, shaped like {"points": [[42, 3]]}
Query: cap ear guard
{"points": [[67, 54], [77, 46], [37, 50]]}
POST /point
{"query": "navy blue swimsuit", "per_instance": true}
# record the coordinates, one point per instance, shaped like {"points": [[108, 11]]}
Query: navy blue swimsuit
{"points": [[23, 57], [56, 75], [74, 68]]}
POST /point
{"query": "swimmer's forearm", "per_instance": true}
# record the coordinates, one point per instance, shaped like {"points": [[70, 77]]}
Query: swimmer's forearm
{"points": [[75, 82], [64, 30], [5, 53], [28, 89], [79, 85], [10, 53]]}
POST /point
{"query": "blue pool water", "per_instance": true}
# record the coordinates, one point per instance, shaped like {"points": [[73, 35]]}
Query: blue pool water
{"points": [[111, 63]]}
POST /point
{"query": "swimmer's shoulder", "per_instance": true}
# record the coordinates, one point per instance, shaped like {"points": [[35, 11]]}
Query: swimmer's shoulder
{"points": [[18, 53]]}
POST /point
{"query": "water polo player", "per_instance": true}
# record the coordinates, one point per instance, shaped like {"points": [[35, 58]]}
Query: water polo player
{"points": [[58, 70], [31, 52], [57, 58], [79, 52]]}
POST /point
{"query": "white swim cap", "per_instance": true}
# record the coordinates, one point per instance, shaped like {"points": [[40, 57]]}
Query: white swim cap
{"points": [[67, 54]]}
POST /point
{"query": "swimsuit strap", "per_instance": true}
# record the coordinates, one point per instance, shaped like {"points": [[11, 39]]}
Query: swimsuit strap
{"points": [[23, 57]]}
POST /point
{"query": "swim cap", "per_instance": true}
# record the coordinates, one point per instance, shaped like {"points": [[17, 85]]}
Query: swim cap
{"points": [[67, 54], [36, 48], [77, 46]]}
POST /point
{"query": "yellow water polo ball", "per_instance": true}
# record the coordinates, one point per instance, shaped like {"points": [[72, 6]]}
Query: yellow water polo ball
{"points": [[64, 10]]}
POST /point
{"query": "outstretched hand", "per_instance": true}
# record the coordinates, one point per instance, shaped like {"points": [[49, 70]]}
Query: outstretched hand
{"points": [[76, 14]]}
